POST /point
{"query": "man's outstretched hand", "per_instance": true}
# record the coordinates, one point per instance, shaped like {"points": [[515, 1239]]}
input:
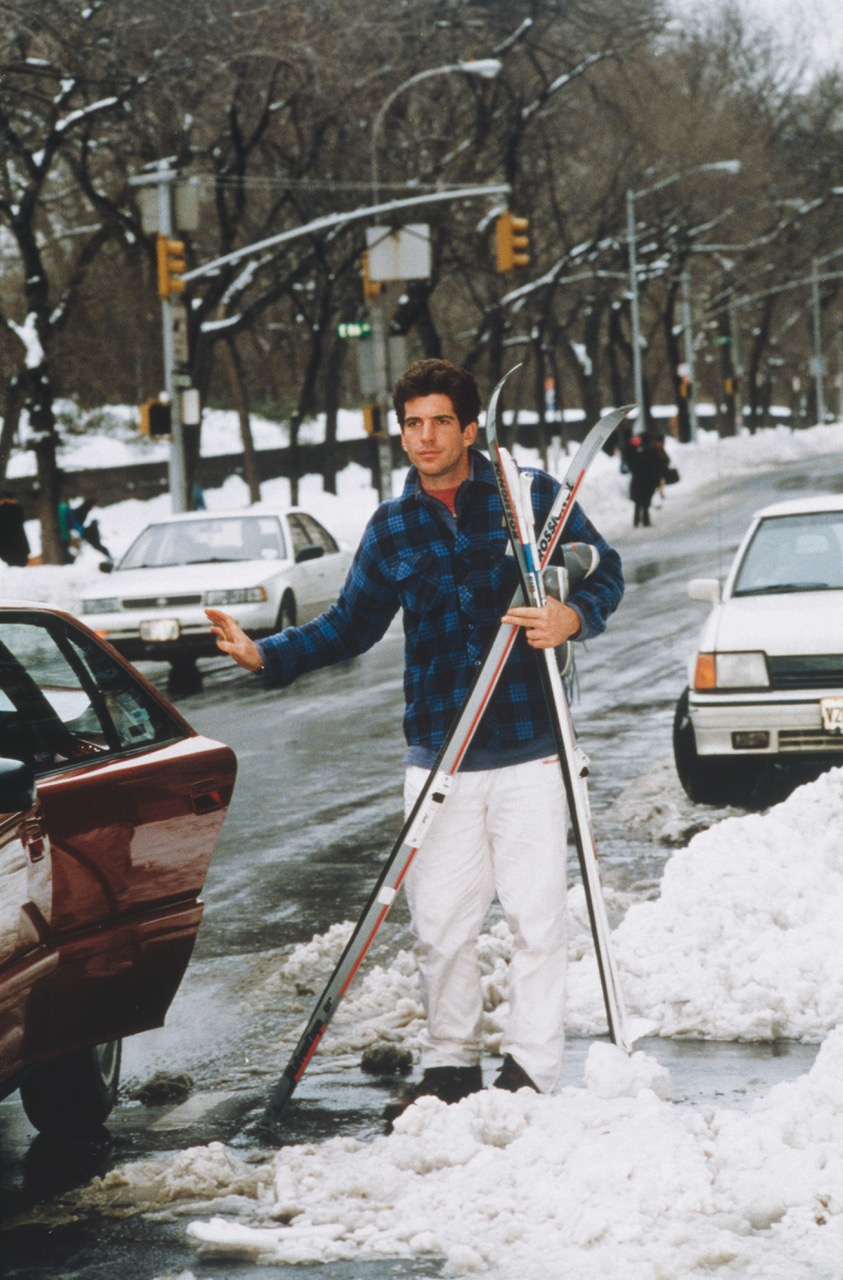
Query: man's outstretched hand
{"points": [[232, 639]]}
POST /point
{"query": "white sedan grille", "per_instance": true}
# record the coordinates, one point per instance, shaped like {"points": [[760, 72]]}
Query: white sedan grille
{"points": [[160, 602]]}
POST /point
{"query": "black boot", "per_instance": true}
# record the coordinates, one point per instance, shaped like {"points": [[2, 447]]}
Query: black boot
{"points": [[512, 1077], [449, 1084]]}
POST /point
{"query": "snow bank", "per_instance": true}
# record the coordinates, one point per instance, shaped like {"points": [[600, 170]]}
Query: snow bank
{"points": [[744, 940], [743, 943], [606, 1180]]}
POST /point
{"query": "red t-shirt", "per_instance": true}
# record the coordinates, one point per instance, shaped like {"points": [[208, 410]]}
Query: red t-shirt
{"points": [[448, 496]]}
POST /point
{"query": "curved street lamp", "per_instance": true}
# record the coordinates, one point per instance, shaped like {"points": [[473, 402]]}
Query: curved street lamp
{"points": [[716, 166], [486, 68]]}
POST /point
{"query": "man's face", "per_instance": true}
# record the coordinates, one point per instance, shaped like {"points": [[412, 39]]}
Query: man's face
{"points": [[434, 443]]}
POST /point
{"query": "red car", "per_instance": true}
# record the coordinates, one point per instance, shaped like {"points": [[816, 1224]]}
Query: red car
{"points": [[110, 808]]}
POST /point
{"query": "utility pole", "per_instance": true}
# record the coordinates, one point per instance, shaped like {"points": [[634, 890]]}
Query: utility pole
{"points": [[383, 381], [157, 211], [737, 366], [817, 362], [687, 325], [637, 370], [178, 470]]}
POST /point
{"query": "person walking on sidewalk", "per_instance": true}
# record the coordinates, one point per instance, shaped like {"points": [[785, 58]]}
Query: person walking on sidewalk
{"points": [[439, 552]]}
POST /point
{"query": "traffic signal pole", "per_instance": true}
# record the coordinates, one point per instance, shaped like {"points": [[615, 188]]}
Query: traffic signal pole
{"points": [[177, 467], [163, 179]]}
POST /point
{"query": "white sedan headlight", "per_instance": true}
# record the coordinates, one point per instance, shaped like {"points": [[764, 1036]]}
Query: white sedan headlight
{"points": [[742, 670], [109, 604], [236, 595]]}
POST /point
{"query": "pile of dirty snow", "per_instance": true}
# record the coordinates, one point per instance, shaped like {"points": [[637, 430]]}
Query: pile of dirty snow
{"points": [[609, 1179], [742, 943]]}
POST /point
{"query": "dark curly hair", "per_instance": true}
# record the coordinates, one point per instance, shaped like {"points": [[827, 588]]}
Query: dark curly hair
{"points": [[439, 377]]}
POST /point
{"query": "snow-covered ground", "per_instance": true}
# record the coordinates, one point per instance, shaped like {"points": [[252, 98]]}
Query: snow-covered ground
{"points": [[604, 1179], [609, 1178]]}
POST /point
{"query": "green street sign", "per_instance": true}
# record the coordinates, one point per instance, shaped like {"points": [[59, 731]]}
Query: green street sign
{"points": [[354, 329]]}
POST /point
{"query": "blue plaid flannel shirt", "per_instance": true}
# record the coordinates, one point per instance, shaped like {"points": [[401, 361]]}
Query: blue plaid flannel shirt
{"points": [[454, 581]]}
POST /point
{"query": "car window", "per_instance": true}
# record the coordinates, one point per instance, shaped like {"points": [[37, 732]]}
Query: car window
{"points": [[317, 535], [299, 534], [210, 541], [793, 553], [64, 699]]}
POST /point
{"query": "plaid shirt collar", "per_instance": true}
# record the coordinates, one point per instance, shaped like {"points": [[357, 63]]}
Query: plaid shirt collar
{"points": [[480, 472]]}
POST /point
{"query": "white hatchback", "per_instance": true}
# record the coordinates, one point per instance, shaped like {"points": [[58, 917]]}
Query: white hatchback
{"points": [[269, 569], [766, 679]]}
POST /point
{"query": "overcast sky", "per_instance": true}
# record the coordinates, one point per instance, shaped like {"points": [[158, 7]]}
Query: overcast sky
{"points": [[819, 23]]}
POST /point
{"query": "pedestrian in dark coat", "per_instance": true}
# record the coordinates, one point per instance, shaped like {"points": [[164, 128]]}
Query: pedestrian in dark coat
{"points": [[647, 466], [14, 544]]}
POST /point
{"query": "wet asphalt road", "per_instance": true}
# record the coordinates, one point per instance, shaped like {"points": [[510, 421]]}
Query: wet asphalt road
{"points": [[317, 805]]}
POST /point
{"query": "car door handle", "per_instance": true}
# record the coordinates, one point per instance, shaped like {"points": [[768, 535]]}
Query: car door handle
{"points": [[207, 798], [34, 839]]}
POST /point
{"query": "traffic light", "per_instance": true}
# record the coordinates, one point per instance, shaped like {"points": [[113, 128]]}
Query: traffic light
{"points": [[372, 419], [156, 418], [171, 266], [371, 288], [511, 242]]}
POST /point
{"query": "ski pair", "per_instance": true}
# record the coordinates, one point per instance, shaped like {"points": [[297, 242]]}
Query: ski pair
{"points": [[514, 488], [432, 796]]}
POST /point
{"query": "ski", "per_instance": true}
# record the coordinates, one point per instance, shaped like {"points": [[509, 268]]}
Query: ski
{"points": [[434, 793], [514, 488]]}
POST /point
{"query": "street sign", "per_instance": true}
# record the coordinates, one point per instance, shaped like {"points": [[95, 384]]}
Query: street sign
{"points": [[399, 253], [354, 329]]}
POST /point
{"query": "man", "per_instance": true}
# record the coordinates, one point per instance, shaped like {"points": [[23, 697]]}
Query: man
{"points": [[440, 553]]}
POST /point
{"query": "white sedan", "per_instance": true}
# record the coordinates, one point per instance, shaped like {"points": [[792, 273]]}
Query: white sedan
{"points": [[766, 679], [269, 569]]}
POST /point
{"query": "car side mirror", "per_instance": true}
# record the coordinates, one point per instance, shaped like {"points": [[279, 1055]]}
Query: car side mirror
{"points": [[17, 786], [106, 566], [705, 590], [311, 552]]}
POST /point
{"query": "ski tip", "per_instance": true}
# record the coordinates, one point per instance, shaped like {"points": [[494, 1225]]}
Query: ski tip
{"points": [[492, 413]]}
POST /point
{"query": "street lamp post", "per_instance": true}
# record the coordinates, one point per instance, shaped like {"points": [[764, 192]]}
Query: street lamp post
{"points": [[716, 166], [486, 68]]}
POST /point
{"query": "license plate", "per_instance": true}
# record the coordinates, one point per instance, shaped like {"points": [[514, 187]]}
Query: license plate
{"points": [[157, 629], [832, 714]]}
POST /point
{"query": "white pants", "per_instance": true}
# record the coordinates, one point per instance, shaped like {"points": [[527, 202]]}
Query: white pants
{"points": [[501, 831]]}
